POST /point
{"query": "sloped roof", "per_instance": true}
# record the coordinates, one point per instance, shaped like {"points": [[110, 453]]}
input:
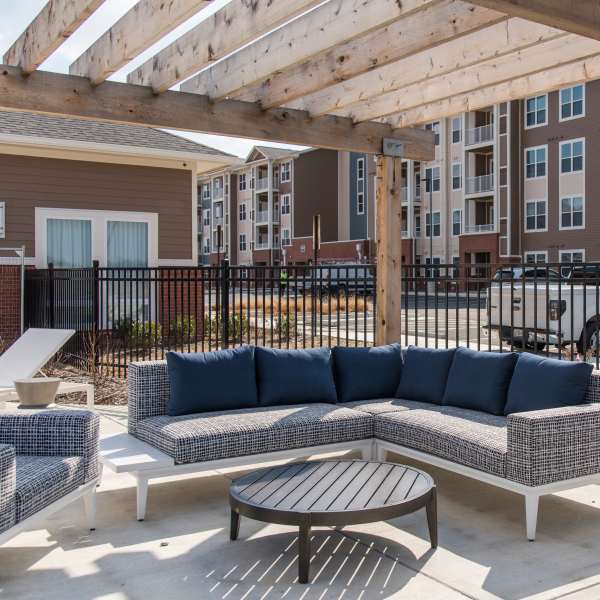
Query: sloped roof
{"points": [[99, 132], [271, 153]]}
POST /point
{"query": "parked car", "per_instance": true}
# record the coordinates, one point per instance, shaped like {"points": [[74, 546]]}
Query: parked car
{"points": [[337, 279], [547, 308]]}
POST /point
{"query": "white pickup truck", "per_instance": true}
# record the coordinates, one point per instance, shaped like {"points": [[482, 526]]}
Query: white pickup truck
{"points": [[539, 306]]}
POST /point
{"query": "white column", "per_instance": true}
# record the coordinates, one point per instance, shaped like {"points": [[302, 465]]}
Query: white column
{"points": [[410, 192], [270, 202]]}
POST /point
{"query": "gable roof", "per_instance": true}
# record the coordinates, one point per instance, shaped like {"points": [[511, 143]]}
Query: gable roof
{"points": [[269, 152], [102, 133]]}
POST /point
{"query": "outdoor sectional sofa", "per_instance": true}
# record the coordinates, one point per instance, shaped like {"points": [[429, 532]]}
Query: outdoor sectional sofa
{"points": [[531, 452]]}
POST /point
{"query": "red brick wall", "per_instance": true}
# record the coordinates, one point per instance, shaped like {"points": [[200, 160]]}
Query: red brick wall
{"points": [[10, 304], [180, 298]]}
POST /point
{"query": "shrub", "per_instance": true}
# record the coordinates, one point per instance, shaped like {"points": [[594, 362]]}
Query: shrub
{"points": [[183, 328]]}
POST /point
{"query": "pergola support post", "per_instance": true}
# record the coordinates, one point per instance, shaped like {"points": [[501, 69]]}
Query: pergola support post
{"points": [[389, 250]]}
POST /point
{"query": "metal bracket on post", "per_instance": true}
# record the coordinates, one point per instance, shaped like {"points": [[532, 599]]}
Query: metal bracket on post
{"points": [[393, 148]]}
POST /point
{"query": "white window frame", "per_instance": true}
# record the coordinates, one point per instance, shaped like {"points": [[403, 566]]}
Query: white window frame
{"points": [[99, 219], [535, 254], [560, 103], [432, 224], [360, 166], [460, 177], [242, 242], [2, 220], [286, 204], [560, 213], [453, 130], [561, 253], [571, 142], [360, 203], [243, 213], [286, 172], [242, 182], [535, 149], [532, 201], [286, 240], [433, 179], [206, 217], [435, 127], [545, 123], [459, 211]]}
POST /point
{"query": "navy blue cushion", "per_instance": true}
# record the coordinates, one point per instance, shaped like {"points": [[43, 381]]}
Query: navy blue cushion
{"points": [[294, 376], [539, 383], [480, 380], [424, 374], [207, 381], [367, 373]]}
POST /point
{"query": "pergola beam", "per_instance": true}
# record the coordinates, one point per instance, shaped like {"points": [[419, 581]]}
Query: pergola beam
{"points": [[68, 95], [145, 24], [575, 16], [568, 74], [233, 26], [417, 32], [471, 49], [50, 28], [333, 23]]}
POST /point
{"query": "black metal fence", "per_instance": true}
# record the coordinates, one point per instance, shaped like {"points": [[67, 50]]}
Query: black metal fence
{"points": [[124, 315], [130, 314]]}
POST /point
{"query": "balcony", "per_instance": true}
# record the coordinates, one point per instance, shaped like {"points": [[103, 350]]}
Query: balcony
{"points": [[217, 194], [260, 245], [262, 216], [262, 184], [480, 185], [416, 197], [479, 135], [217, 221], [484, 228]]}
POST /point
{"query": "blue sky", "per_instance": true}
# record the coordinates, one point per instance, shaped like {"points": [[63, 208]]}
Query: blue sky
{"points": [[18, 13]]}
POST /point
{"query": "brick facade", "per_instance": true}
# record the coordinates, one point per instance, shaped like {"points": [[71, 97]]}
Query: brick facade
{"points": [[10, 304]]}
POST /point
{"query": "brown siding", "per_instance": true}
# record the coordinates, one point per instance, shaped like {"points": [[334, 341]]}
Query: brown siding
{"points": [[30, 182], [316, 192]]}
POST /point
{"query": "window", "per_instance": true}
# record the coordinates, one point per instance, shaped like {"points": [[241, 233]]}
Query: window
{"points": [[360, 186], [242, 182], [242, 242], [572, 102], [435, 127], [571, 212], [571, 156], [206, 248], [456, 130], [286, 171], [456, 222], [360, 203], [206, 192], [69, 243], [433, 272], [285, 237], [432, 175], [532, 257], [436, 225], [535, 111], [418, 226], [535, 215], [360, 169], [535, 159], [206, 217], [2, 219], [456, 267], [252, 181], [126, 244], [456, 176], [286, 204], [570, 257], [243, 211]]}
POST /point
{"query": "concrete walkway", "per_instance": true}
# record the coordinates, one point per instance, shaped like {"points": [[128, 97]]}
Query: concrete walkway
{"points": [[182, 550]]}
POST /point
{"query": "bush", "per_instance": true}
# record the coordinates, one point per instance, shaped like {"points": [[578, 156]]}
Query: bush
{"points": [[238, 327], [138, 333], [286, 327], [184, 328]]}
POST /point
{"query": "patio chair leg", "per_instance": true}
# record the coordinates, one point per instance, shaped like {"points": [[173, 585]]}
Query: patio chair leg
{"points": [[89, 394], [531, 512], [142, 496], [89, 502]]}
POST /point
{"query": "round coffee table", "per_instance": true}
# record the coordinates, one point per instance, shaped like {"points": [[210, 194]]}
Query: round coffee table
{"points": [[331, 493]]}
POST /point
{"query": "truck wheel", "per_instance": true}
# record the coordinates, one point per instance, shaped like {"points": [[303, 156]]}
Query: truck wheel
{"points": [[590, 338]]}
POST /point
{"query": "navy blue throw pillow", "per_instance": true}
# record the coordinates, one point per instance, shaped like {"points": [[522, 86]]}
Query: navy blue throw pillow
{"points": [[480, 380], [424, 374], [208, 381], [294, 376], [367, 373], [539, 383]]}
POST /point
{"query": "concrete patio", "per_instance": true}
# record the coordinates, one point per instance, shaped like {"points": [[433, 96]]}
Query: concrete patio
{"points": [[182, 550]]}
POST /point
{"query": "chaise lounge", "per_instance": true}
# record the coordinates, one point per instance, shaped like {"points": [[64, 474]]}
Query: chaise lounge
{"points": [[527, 424]]}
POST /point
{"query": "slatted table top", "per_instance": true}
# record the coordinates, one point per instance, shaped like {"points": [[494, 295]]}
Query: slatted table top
{"points": [[333, 492]]}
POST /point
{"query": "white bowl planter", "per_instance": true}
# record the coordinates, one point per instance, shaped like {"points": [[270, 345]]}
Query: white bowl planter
{"points": [[37, 392]]}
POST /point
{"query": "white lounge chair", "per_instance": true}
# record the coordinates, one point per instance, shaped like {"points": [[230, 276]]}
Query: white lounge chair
{"points": [[29, 354]]}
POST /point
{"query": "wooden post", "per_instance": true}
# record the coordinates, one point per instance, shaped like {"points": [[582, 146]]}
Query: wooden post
{"points": [[389, 250]]}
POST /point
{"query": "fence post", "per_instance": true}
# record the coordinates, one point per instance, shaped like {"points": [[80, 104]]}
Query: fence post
{"points": [[225, 302], [51, 294], [95, 310]]}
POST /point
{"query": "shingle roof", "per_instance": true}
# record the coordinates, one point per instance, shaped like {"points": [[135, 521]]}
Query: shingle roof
{"points": [[275, 153], [80, 130]]}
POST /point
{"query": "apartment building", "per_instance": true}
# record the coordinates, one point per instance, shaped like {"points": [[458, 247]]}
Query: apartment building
{"points": [[261, 212]]}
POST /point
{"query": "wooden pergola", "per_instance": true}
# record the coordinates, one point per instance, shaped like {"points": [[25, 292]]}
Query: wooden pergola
{"points": [[358, 75]]}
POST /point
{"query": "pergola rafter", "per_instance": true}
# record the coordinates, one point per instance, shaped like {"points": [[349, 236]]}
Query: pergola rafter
{"points": [[340, 74]]}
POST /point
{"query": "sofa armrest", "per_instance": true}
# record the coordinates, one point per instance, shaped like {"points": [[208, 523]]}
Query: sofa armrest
{"points": [[54, 433], [148, 391], [8, 486], [556, 444]]}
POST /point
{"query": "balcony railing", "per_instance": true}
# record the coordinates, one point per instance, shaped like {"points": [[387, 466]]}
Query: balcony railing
{"points": [[217, 193], [262, 184], [262, 216], [416, 191], [404, 233], [485, 228], [261, 245], [479, 135], [481, 184], [217, 221]]}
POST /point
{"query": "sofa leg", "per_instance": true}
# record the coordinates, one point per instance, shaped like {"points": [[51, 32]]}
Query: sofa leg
{"points": [[89, 503], [380, 453], [531, 512], [142, 496]]}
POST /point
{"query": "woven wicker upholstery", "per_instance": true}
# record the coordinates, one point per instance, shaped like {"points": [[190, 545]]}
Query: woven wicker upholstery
{"points": [[8, 514], [54, 433], [216, 435], [385, 405], [592, 394], [467, 437], [554, 445], [148, 390], [42, 480]]}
